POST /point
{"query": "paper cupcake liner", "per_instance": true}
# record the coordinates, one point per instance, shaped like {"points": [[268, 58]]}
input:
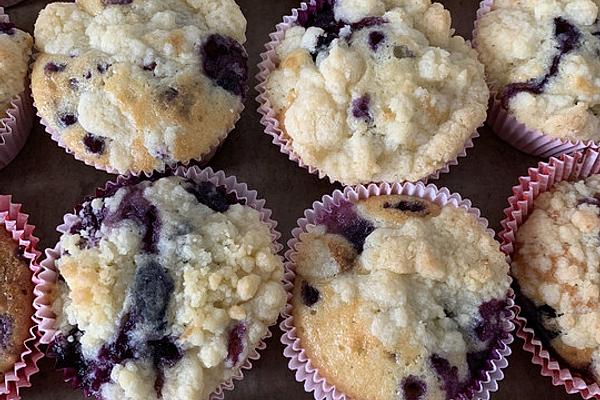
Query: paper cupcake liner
{"points": [[15, 222], [299, 362], [16, 123], [197, 175], [506, 126], [579, 165], [269, 118]]}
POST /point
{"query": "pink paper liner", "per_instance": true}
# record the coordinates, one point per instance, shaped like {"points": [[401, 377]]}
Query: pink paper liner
{"points": [[15, 223], [230, 183], [16, 123], [579, 165], [299, 362], [506, 126], [269, 118]]}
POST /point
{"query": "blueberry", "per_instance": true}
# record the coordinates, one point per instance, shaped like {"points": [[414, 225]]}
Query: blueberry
{"points": [[413, 388], [51, 67], [310, 295], [368, 22], [490, 326], [236, 344], [594, 201], [88, 75], [66, 350], [375, 39], [413, 206], [567, 37], [344, 221], [225, 62], [93, 144], [151, 293], [103, 67], [7, 28], [116, 2], [448, 374], [74, 84], [477, 362], [321, 16], [6, 330], [216, 198], [165, 353], [66, 120], [20, 253], [149, 67], [361, 108], [88, 225]]}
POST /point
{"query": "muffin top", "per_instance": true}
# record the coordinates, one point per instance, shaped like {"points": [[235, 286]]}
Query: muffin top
{"points": [[15, 50], [16, 301], [373, 90], [541, 59], [397, 298], [134, 85], [557, 265], [166, 288]]}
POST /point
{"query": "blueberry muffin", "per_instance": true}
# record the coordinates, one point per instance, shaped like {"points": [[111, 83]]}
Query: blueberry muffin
{"points": [[16, 301], [134, 85], [15, 50], [166, 287], [374, 90], [556, 264], [397, 298], [541, 58]]}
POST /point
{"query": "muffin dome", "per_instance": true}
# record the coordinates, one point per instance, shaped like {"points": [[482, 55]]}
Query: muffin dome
{"points": [[15, 50], [167, 287]]}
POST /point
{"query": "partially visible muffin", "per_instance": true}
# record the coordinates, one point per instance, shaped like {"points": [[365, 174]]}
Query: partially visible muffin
{"points": [[397, 298], [136, 85], [15, 50], [167, 287], [557, 266], [16, 301], [375, 90], [541, 58]]}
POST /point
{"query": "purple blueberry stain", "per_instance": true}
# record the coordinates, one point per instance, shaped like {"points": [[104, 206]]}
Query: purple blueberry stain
{"points": [[74, 84], [216, 198], [491, 313], [310, 294], [67, 119], [150, 66], [448, 374], [151, 292], [361, 108], [225, 62], [413, 206], [592, 201], [413, 388], [343, 220], [93, 144], [103, 67], [567, 37], [52, 68], [7, 28], [368, 22], [6, 330], [375, 39], [88, 75], [236, 344], [88, 225], [116, 2]]}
